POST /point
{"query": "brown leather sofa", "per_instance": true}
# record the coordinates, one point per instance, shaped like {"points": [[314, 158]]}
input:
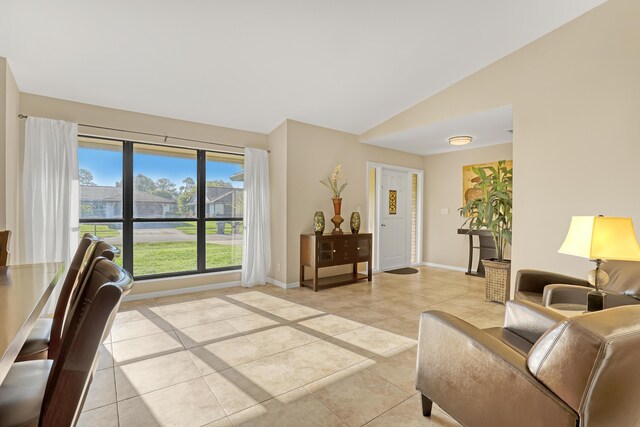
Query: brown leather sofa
{"points": [[539, 369], [544, 288]]}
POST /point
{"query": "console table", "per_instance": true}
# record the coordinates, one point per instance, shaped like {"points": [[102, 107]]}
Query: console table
{"points": [[328, 250], [486, 246]]}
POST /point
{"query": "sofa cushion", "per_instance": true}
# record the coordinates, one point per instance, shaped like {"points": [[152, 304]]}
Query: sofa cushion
{"points": [[624, 277]]}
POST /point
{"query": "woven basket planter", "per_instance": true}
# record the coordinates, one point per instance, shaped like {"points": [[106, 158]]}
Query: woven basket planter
{"points": [[497, 286]]}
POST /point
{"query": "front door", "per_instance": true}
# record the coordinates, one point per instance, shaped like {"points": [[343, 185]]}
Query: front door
{"points": [[393, 231]]}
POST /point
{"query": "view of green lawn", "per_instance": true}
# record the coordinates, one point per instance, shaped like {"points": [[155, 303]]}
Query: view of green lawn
{"points": [[168, 257], [156, 258]]}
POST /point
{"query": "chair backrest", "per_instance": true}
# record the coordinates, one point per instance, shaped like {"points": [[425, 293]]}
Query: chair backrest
{"points": [[591, 363], [5, 235], [624, 277], [90, 319], [71, 289]]}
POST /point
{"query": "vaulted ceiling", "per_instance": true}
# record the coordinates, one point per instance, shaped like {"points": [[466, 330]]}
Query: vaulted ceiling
{"points": [[346, 65]]}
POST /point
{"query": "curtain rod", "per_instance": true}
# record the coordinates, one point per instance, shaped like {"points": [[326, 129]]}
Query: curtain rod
{"points": [[22, 116]]}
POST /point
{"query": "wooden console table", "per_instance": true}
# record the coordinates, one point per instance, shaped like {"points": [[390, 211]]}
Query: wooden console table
{"points": [[486, 246], [328, 250]]}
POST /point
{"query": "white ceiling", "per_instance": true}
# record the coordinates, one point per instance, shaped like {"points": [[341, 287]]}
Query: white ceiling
{"points": [[489, 127], [250, 64]]}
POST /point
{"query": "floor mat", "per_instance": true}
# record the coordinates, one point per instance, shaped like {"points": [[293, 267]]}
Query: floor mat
{"points": [[406, 270]]}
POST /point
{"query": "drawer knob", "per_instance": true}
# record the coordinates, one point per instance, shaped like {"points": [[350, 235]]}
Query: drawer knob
{"points": [[334, 251], [358, 248]]}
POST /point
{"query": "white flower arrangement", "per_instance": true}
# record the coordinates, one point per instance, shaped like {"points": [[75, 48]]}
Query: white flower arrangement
{"points": [[332, 182]]}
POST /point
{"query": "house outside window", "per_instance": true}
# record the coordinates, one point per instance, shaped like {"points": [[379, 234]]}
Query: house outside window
{"points": [[144, 199]]}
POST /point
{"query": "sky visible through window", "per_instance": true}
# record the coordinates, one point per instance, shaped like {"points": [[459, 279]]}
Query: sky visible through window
{"points": [[106, 167]]}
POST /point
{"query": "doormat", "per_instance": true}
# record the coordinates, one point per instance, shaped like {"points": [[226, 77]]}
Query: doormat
{"points": [[406, 270]]}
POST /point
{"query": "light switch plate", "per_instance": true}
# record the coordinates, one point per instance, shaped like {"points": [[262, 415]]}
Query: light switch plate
{"points": [[444, 211]]}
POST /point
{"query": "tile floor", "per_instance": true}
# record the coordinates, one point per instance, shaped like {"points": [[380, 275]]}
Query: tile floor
{"points": [[271, 357]]}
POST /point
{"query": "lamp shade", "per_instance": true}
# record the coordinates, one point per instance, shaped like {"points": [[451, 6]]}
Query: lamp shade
{"points": [[601, 237]]}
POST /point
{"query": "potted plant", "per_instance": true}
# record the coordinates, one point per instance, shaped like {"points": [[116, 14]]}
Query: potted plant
{"points": [[492, 211]]}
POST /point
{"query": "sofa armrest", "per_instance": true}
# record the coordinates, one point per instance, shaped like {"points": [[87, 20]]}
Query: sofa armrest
{"points": [[528, 320], [479, 380], [536, 280]]}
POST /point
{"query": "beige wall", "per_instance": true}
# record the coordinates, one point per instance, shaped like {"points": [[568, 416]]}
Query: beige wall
{"points": [[278, 194], [9, 102], [312, 153], [576, 97], [59, 109], [12, 159], [4, 67], [40, 106], [443, 189]]}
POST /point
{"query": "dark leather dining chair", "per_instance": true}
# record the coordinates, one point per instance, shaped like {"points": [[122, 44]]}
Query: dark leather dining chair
{"points": [[5, 235], [51, 393], [44, 339]]}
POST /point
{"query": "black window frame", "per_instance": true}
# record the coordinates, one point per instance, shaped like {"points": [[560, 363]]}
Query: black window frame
{"points": [[128, 220]]}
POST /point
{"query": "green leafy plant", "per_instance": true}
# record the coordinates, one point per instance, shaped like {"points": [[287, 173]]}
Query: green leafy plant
{"points": [[332, 182], [492, 211]]}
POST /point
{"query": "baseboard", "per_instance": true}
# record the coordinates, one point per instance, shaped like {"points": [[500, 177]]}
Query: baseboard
{"points": [[178, 291], [447, 267], [282, 285]]}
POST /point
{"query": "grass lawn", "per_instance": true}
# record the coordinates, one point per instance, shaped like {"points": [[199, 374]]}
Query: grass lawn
{"points": [[212, 228], [99, 230], [169, 257], [156, 258]]}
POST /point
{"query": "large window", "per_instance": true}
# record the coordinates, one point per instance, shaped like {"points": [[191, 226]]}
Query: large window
{"points": [[223, 209], [100, 175], [170, 210]]}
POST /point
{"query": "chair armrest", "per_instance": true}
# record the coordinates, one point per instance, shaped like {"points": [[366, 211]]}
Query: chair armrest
{"points": [[479, 380], [536, 280], [565, 294], [528, 320], [617, 300], [570, 294]]}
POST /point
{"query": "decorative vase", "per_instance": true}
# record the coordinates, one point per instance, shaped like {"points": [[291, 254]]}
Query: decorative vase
{"points": [[337, 219], [355, 222], [318, 223]]}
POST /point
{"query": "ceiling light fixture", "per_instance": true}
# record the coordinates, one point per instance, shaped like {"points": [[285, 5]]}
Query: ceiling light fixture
{"points": [[460, 140]]}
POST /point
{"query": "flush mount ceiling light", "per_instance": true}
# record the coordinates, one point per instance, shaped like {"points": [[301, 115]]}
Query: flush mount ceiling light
{"points": [[460, 140]]}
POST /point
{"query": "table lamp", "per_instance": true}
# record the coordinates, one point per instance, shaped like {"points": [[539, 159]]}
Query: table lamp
{"points": [[600, 238]]}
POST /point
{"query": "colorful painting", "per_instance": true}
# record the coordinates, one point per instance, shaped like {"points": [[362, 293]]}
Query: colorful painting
{"points": [[393, 202], [469, 178]]}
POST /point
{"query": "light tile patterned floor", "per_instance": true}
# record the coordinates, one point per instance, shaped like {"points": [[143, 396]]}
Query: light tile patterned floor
{"points": [[272, 357]]}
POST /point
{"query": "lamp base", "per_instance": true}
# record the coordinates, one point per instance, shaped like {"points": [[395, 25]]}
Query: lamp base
{"points": [[595, 300], [602, 277]]}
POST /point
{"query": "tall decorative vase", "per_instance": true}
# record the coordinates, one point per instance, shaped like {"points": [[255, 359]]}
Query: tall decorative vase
{"points": [[318, 223], [337, 219], [355, 222]]}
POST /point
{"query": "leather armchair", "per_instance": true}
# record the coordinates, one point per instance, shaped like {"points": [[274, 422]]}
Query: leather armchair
{"points": [[539, 369], [547, 288]]}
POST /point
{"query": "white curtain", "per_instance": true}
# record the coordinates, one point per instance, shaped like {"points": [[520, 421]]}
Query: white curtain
{"points": [[51, 192], [256, 248]]}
